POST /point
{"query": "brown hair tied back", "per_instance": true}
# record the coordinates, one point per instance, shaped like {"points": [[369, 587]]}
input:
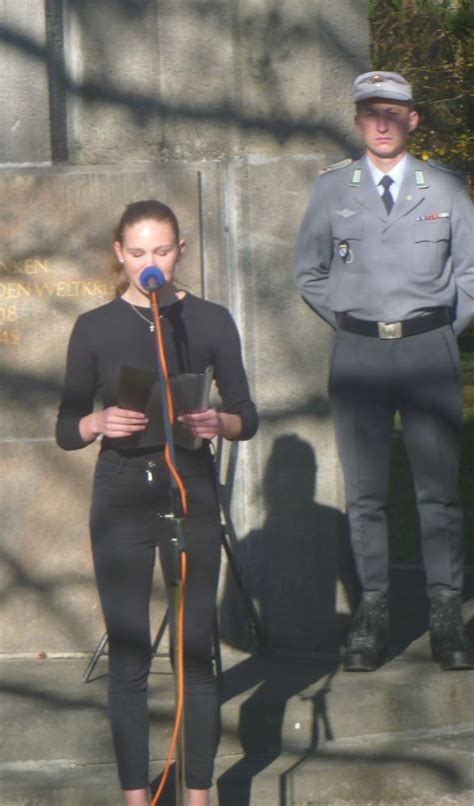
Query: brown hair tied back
{"points": [[133, 214]]}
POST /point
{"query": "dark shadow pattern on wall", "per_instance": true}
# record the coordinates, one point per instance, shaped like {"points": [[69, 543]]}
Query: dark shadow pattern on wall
{"points": [[268, 38]]}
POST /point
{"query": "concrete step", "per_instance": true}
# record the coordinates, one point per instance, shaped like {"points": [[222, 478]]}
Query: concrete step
{"points": [[295, 729], [422, 768], [269, 703]]}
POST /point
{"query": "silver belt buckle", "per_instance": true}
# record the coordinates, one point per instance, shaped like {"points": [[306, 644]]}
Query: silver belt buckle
{"points": [[390, 330]]}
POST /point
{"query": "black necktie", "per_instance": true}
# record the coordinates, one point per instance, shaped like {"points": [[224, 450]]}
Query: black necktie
{"points": [[387, 197]]}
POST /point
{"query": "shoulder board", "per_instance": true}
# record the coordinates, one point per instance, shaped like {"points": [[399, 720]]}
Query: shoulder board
{"points": [[447, 168], [336, 166]]}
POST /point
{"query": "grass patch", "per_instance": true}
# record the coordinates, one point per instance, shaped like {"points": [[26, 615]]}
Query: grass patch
{"points": [[403, 519]]}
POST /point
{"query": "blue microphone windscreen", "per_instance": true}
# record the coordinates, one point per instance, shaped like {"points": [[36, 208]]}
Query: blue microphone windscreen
{"points": [[152, 278]]}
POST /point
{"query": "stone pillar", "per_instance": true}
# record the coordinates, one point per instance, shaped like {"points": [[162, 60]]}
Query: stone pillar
{"points": [[24, 123]]}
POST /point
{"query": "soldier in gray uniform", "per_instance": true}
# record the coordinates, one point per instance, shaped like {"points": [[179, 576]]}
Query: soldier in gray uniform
{"points": [[385, 255]]}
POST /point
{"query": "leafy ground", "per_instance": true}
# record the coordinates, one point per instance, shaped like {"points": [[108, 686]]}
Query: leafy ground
{"points": [[403, 519]]}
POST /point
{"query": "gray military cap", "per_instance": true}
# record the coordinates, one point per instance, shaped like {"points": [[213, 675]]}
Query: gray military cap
{"points": [[391, 86]]}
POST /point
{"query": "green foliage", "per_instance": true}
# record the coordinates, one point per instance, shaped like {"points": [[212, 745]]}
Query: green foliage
{"points": [[431, 43]]}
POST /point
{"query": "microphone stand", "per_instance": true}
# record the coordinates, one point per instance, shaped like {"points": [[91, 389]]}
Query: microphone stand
{"points": [[177, 516]]}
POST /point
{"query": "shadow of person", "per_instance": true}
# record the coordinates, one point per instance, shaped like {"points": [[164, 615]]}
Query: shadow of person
{"points": [[291, 565], [168, 794], [263, 715], [289, 569]]}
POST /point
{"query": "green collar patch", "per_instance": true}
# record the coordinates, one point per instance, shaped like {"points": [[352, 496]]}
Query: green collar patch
{"points": [[420, 180]]}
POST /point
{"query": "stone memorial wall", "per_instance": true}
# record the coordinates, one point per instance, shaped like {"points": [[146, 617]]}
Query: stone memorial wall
{"points": [[56, 234], [226, 111]]}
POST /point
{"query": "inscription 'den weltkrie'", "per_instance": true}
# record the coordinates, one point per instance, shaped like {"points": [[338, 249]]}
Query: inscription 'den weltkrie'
{"points": [[14, 291]]}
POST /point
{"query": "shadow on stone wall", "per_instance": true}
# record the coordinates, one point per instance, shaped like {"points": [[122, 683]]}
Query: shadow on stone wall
{"points": [[264, 44], [48, 597], [53, 595], [291, 565]]}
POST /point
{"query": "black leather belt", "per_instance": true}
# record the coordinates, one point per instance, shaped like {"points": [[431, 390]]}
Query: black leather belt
{"points": [[396, 330]]}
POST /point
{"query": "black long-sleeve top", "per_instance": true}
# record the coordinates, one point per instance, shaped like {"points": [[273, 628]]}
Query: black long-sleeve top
{"points": [[196, 334]]}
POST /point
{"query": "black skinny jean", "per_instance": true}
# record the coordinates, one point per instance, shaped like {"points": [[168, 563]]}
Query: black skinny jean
{"points": [[125, 531]]}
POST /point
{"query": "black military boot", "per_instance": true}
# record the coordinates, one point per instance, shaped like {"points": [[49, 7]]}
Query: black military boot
{"points": [[367, 645], [450, 645]]}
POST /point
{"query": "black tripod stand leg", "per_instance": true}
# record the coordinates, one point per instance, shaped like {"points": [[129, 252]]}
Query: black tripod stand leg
{"points": [[95, 657], [252, 614], [159, 635], [224, 492]]}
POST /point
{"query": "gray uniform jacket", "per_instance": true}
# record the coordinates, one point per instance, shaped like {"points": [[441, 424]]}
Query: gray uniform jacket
{"points": [[352, 257]]}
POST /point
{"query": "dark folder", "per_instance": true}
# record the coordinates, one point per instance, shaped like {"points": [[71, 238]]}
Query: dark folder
{"points": [[140, 390]]}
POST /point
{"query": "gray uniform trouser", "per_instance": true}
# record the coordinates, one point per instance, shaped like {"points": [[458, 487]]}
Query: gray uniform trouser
{"points": [[370, 379]]}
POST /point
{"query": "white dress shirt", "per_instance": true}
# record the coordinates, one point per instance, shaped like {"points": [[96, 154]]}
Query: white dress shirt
{"points": [[396, 173]]}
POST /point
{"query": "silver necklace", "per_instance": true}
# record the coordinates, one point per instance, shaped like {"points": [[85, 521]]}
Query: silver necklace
{"points": [[151, 325]]}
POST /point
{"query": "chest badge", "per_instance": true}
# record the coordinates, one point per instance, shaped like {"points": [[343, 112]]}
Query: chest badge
{"points": [[346, 213], [345, 252]]}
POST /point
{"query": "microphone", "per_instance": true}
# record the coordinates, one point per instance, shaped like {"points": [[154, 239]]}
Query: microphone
{"points": [[152, 279]]}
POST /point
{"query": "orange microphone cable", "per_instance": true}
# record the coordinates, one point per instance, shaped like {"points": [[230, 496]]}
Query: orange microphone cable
{"points": [[161, 352], [182, 491], [180, 686]]}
